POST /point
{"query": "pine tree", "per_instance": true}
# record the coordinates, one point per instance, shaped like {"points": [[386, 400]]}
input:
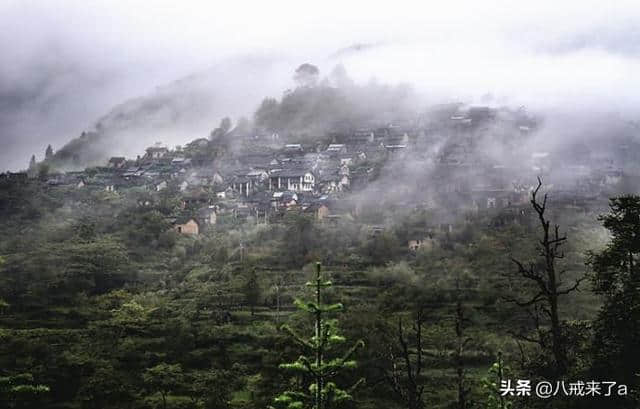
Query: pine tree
{"points": [[617, 278], [322, 393], [492, 383], [49, 152], [32, 162]]}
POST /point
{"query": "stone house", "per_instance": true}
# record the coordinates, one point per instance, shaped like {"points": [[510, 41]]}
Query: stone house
{"points": [[187, 226]]}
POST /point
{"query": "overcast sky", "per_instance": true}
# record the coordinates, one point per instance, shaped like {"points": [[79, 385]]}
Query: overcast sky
{"points": [[66, 63]]}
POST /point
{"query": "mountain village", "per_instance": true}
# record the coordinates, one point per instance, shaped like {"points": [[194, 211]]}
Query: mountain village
{"points": [[434, 163]]}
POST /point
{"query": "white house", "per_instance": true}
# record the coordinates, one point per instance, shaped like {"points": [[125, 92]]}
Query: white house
{"points": [[295, 180]]}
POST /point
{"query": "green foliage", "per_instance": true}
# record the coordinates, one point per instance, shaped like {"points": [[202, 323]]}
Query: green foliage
{"points": [[322, 392], [95, 267], [101, 291], [21, 390], [210, 389], [617, 278], [382, 247], [301, 239], [312, 110], [141, 227], [252, 291], [105, 387], [491, 386], [59, 272], [163, 378], [267, 114], [43, 171]]}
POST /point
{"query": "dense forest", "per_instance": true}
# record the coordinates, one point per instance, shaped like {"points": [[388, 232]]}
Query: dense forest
{"points": [[104, 304]]}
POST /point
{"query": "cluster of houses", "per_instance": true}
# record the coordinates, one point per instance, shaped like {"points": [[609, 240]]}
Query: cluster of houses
{"points": [[263, 177]]}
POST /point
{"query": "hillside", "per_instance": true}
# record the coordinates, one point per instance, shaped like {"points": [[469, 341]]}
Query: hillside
{"points": [[163, 280], [178, 112]]}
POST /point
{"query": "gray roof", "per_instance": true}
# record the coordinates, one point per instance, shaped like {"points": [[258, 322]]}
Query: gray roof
{"points": [[290, 172]]}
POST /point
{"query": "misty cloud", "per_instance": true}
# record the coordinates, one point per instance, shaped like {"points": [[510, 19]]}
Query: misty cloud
{"points": [[70, 65]]}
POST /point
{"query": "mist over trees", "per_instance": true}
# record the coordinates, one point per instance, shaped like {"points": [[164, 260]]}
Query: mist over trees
{"points": [[335, 103], [164, 281], [306, 75], [335, 205]]}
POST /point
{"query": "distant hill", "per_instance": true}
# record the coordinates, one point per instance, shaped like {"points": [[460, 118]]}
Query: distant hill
{"points": [[178, 112]]}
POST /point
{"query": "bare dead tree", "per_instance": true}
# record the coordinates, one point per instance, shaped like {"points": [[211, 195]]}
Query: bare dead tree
{"points": [[406, 363], [547, 279]]}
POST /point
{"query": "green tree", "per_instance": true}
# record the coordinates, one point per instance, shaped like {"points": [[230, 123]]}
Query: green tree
{"points": [[163, 379], [252, 291], [322, 393], [209, 388], [617, 279], [268, 115], [105, 387], [491, 385], [222, 129], [381, 248], [300, 238], [20, 391], [306, 75], [96, 266], [43, 171]]}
